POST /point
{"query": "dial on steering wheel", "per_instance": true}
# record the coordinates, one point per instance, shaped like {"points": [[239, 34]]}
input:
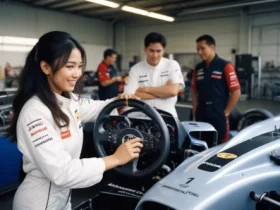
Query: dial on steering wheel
{"points": [[118, 136]]}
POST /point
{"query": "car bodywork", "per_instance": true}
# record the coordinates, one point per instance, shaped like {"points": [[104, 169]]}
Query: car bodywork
{"points": [[222, 177]]}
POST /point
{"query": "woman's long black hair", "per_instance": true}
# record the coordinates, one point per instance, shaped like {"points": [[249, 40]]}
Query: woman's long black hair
{"points": [[54, 48]]}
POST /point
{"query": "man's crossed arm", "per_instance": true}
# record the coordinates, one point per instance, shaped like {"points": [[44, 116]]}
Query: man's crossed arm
{"points": [[166, 91]]}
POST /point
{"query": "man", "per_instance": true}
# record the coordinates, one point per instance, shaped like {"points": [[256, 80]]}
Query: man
{"points": [[215, 88], [132, 62], [107, 76], [156, 80]]}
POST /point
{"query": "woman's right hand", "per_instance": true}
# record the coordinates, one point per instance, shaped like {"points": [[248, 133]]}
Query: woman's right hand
{"points": [[128, 151]]}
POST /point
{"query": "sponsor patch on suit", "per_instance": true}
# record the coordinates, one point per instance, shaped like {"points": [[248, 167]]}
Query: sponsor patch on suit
{"points": [[216, 76], [65, 134], [200, 78]]}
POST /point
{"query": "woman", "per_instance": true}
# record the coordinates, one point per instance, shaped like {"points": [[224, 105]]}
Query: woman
{"points": [[48, 130]]}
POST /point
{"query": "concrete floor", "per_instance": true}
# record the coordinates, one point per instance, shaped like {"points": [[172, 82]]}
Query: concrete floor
{"points": [[79, 195]]}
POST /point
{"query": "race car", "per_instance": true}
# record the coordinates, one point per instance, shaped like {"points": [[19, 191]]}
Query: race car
{"points": [[228, 176], [177, 170], [168, 143]]}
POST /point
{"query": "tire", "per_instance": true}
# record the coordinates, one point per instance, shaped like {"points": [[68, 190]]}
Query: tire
{"points": [[234, 118], [253, 116]]}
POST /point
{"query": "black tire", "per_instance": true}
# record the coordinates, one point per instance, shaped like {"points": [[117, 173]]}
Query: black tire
{"points": [[253, 116], [234, 118]]}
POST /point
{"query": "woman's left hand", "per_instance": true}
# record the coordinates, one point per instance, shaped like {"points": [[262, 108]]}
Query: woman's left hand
{"points": [[127, 96]]}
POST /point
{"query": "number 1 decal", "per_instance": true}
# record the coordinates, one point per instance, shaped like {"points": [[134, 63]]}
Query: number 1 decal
{"points": [[190, 180]]}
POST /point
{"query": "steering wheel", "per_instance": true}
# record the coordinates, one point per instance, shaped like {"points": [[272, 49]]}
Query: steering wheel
{"points": [[118, 136]]}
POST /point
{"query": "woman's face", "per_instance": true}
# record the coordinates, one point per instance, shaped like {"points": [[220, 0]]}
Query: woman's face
{"points": [[64, 80]]}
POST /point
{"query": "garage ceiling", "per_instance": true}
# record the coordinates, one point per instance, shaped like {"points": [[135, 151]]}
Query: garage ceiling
{"points": [[172, 8]]}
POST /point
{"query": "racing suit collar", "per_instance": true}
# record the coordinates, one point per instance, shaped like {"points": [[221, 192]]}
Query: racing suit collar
{"points": [[63, 101]]}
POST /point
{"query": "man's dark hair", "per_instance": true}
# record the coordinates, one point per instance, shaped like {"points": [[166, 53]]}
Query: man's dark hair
{"points": [[109, 52], [154, 37], [209, 39]]}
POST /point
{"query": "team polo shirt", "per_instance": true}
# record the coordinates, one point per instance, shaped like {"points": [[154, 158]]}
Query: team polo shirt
{"points": [[106, 72], [143, 75], [214, 83]]}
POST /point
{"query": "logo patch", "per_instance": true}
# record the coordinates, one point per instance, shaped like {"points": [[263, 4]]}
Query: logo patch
{"points": [[217, 72], [65, 134], [39, 131], [143, 81], [200, 78], [35, 126], [143, 76], [77, 115], [216, 76], [128, 137], [225, 155]]}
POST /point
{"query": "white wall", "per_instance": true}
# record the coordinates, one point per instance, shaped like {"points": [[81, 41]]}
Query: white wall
{"points": [[181, 35], [230, 28], [265, 37], [22, 21], [265, 42]]}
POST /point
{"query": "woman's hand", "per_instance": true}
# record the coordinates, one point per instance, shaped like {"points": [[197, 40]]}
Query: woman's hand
{"points": [[128, 151], [125, 153], [127, 96]]}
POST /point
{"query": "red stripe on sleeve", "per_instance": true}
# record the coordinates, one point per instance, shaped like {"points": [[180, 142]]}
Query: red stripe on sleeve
{"points": [[193, 85], [103, 73], [231, 78]]}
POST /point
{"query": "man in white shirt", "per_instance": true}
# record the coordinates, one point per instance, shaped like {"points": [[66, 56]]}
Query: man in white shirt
{"points": [[156, 80]]}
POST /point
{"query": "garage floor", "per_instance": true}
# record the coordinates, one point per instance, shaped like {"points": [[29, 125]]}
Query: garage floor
{"points": [[81, 195]]}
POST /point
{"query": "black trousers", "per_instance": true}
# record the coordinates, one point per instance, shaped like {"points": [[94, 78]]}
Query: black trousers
{"points": [[215, 116]]}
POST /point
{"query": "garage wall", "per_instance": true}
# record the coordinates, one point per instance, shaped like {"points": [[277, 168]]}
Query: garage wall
{"points": [[22, 21], [181, 35], [265, 37], [230, 27]]}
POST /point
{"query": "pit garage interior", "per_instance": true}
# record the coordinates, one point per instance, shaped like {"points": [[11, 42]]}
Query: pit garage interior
{"points": [[246, 33]]}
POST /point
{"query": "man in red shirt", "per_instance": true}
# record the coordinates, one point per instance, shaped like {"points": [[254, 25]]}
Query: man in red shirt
{"points": [[107, 76], [215, 89]]}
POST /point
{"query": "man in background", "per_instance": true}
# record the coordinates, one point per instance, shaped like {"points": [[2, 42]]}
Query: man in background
{"points": [[107, 76], [156, 80], [215, 88]]}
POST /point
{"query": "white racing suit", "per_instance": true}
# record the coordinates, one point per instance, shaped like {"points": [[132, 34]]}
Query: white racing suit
{"points": [[51, 154]]}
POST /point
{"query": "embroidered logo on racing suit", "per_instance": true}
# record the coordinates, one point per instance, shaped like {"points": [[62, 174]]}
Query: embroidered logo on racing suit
{"points": [[65, 133], [77, 115]]}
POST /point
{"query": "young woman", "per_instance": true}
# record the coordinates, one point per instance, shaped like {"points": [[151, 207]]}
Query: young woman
{"points": [[47, 126]]}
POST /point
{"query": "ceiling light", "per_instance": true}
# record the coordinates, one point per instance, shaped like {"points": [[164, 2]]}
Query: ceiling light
{"points": [[161, 17], [105, 3], [147, 13], [18, 40], [13, 48], [135, 10]]}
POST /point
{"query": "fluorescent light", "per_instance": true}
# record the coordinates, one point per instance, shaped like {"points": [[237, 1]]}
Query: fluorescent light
{"points": [[161, 17], [105, 3], [14, 48], [147, 13], [18, 40], [16, 44], [135, 10]]}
